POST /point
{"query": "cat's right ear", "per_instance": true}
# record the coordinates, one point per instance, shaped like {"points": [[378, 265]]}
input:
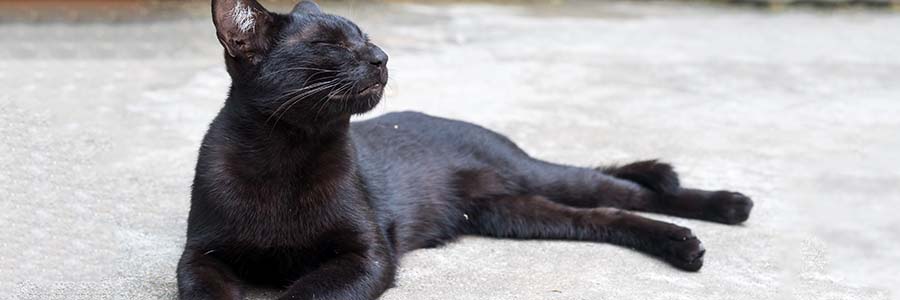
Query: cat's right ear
{"points": [[243, 27]]}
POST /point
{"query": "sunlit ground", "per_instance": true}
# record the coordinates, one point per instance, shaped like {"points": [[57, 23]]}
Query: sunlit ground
{"points": [[102, 111]]}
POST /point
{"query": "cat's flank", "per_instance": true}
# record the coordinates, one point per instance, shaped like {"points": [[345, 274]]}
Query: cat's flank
{"points": [[289, 193]]}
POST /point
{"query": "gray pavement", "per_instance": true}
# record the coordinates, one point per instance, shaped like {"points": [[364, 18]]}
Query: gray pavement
{"points": [[100, 123]]}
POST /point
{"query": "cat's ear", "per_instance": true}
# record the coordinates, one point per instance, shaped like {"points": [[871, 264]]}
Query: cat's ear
{"points": [[243, 27], [306, 7]]}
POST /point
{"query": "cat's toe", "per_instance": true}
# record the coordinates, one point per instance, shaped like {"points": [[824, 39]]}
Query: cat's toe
{"points": [[684, 250], [731, 207], [691, 258]]}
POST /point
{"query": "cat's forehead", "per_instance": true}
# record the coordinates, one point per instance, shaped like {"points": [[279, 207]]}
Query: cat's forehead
{"points": [[308, 27]]}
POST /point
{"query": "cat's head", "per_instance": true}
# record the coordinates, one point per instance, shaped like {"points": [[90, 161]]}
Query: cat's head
{"points": [[299, 66]]}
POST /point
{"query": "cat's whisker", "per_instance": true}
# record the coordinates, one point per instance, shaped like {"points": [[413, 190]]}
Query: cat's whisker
{"points": [[338, 91], [293, 94], [299, 69], [299, 92], [323, 102], [313, 89], [327, 79]]}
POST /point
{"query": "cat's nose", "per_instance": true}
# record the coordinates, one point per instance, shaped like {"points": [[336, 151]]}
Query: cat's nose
{"points": [[377, 57]]}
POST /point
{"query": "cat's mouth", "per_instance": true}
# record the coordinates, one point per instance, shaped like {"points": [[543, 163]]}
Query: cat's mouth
{"points": [[375, 88], [372, 90]]}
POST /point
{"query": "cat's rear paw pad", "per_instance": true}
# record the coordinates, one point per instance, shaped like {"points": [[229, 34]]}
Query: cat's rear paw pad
{"points": [[730, 207], [684, 250], [651, 174]]}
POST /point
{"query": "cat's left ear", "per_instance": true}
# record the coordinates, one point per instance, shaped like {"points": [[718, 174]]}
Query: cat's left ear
{"points": [[244, 27], [306, 7]]}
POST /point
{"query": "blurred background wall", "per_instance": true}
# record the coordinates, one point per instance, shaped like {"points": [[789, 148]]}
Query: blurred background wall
{"points": [[125, 10]]}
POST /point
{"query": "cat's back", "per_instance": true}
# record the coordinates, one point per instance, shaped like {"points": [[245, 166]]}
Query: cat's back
{"points": [[398, 150], [415, 133], [397, 126]]}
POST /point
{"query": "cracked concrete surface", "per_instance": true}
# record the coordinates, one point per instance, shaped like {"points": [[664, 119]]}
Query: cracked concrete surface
{"points": [[100, 123]]}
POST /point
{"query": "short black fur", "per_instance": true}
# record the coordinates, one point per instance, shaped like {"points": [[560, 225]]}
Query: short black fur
{"points": [[288, 192]]}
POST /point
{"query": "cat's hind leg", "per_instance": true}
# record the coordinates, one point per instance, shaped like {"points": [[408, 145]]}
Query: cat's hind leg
{"points": [[672, 199], [536, 217], [648, 186]]}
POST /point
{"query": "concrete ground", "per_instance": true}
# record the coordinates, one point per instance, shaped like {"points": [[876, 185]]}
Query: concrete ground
{"points": [[100, 124]]}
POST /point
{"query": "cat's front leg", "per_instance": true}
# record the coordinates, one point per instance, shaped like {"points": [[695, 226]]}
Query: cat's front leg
{"points": [[350, 276], [201, 276]]}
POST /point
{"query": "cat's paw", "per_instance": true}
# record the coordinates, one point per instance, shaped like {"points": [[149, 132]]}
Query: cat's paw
{"points": [[651, 174], [729, 207], [683, 250]]}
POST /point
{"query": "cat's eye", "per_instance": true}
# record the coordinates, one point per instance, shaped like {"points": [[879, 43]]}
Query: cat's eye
{"points": [[327, 43]]}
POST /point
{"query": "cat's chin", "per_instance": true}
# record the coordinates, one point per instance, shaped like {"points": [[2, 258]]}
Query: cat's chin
{"points": [[366, 103], [361, 102]]}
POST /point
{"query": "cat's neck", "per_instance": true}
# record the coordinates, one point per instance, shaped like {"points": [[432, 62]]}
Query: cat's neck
{"points": [[256, 145]]}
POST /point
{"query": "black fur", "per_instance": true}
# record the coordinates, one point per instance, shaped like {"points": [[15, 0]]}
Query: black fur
{"points": [[288, 192], [651, 174]]}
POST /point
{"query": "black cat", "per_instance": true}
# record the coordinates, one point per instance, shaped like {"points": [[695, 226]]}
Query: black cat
{"points": [[288, 192]]}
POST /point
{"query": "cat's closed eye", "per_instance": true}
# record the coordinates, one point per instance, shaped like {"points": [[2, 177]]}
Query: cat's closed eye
{"points": [[328, 43]]}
